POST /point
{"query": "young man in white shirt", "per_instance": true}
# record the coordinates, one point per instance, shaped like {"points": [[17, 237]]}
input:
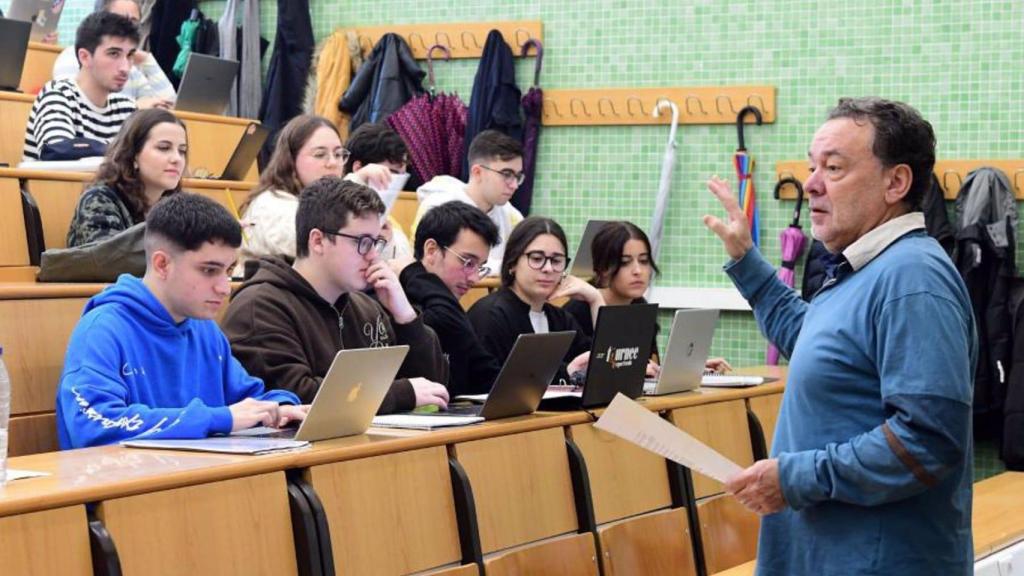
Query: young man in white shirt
{"points": [[495, 173]]}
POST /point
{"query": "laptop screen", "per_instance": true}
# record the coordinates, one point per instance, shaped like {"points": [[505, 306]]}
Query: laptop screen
{"points": [[622, 346]]}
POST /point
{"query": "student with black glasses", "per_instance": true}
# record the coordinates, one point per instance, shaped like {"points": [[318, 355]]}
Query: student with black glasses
{"points": [[287, 322], [533, 274], [495, 173], [452, 243]]}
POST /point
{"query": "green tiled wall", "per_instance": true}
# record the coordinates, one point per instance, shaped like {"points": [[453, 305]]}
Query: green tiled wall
{"points": [[960, 63]]}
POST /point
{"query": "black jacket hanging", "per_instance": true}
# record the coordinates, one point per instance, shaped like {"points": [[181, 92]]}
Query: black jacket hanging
{"points": [[936, 220], [288, 69], [495, 102], [388, 79], [166, 19], [985, 242]]}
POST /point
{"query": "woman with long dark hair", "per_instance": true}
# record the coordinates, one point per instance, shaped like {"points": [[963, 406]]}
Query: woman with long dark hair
{"points": [[145, 162]]}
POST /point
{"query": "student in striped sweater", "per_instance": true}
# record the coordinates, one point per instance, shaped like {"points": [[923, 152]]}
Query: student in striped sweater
{"points": [[87, 107]]}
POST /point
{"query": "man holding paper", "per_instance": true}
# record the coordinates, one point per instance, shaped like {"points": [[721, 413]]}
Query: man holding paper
{"points": [[871, 465]]}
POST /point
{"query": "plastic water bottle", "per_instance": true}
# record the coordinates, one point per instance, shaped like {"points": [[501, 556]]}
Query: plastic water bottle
{"points": [[5, 415]]}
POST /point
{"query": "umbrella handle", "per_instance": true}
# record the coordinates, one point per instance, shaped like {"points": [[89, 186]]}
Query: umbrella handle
{"points": [[540, 58], [799, 196], [663, 102], [430, 62], [739, 122]]}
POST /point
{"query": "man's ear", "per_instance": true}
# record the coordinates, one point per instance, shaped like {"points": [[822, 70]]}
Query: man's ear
{"points": [[316, 241], [160, 262], [84, 57], [357, 165], [900, 179], [430, 250]]}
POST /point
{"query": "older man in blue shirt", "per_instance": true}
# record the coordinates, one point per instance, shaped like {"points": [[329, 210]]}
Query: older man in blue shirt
{"points": [[871, 465]]}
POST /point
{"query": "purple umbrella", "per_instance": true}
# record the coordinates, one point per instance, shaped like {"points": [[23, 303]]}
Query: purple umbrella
{"points": [[532, 104], [793, 241], [433, 127]]}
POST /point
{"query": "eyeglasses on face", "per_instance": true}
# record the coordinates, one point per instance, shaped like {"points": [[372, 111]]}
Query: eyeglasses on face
{"points": [[364, 242], [508, 174], [469, 264], [537, 259], [339, 155]]}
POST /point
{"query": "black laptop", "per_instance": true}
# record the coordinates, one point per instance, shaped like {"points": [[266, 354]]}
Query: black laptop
{"points": [[13, 47], [618, 358], [525, 376], [245, 152]]}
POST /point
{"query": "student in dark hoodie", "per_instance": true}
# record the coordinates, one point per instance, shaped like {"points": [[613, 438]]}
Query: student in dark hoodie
{"points": [[451, 248], [147, 358], [287, 323]]}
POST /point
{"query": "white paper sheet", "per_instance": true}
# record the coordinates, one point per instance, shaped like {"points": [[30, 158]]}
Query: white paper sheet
{"points": [[630, 421], [13, 474]]}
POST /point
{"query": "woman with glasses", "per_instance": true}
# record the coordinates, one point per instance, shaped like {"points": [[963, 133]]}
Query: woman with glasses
{"points": [[532, 275], [308, 148]]}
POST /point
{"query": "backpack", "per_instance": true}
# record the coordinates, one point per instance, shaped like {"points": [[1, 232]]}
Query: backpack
{"points": [[986, 222]]}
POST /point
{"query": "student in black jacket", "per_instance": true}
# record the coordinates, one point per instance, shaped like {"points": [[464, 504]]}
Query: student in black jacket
{"points": [[532, 274], [451, 246]]}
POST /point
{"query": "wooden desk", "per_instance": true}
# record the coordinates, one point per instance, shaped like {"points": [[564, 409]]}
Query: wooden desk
{"points": [[14, 111], [364, 475], [38, 68], [238, 526], [997, 513], [48, 542]]}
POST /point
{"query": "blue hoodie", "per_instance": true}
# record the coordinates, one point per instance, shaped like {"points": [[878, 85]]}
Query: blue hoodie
{"points": [[131, 371]]}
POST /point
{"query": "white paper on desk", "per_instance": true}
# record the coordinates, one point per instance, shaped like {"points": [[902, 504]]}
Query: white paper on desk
{"points": [[13, 474], [630, 421]]}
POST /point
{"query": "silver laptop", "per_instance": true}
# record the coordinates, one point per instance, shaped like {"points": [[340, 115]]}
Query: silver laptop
{"points": [[583, 261], [349, 396], [13, 47], [42, 14], [206, 84], [524, 377], [689, 343]]}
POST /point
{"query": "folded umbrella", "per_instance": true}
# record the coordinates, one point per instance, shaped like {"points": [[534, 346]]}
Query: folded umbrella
{"points": [[793, 242], [668, 162], [744, 164]]}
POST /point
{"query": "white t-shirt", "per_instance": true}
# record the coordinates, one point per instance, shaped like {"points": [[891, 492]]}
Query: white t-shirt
{"points": [[442, 189], [539, 321], [269, 229]]}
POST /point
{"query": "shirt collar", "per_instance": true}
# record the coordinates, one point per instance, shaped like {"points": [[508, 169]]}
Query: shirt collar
{"points": [[870, 245]]}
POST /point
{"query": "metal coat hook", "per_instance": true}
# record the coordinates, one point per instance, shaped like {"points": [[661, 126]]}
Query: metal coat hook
{"points": [[369, 42], [959, 178], [529, 38], [540, 56], [462, 38], [430, 63], [572, 109], [760, 105], [1016, 185], [611, 104], [629, 107], [700, 105], [448, 39], [554, 104], [718, 104], [422, 43], [663, 102], [739, 123]]}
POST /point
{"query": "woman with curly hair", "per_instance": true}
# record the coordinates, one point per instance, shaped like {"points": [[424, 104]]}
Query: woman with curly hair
{"points": [[143, 164]]}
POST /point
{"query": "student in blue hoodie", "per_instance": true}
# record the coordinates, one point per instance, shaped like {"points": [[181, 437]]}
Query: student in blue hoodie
{"points": [[147, 358]]}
